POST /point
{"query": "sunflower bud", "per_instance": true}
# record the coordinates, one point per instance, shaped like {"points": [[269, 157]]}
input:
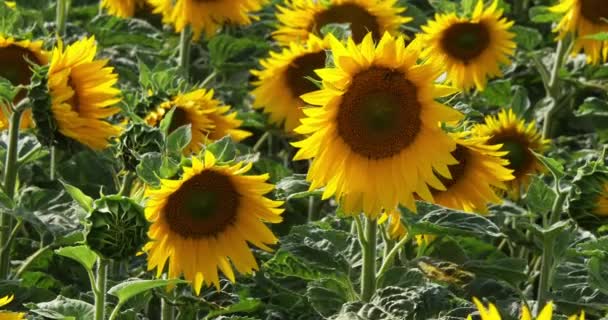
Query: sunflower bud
{"points": [[116, 227], [588, 204], [136, 141]]}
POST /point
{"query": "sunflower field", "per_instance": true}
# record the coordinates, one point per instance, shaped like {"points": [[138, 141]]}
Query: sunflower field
{"points": [[304, 159]]}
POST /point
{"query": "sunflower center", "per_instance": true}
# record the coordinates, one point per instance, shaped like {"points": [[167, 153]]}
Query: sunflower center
{"points": [[361, 21], [595, 11], [303, 67], [465, 41], [180, 118], [457, 171], [203, 206], [74, 101], [518, 154], [380, 114]]}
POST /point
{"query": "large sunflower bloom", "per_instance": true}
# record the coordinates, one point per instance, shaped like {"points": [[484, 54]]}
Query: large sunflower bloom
{"points": [[491, 313], [369, 139], [584, 18], [205, 220], [299, 18], [472, 182], [209, 119], [83, 94], [122, 8], [206, 16], [518, 138], [8, 315], [14, 67], [285, 78], [469, 50]]}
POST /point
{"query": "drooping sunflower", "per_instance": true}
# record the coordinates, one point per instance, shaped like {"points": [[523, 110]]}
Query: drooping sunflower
{"points": [[472, 182], [82, 93], [284, 80], [205, 220], [396, 229], [209, 119], [14, 66], [369, 138], [8, 315], [469, 49], [122, 8], [491, 313], [584, 18], [518, 138], [588, 204], [299, 18], [206, 16]]}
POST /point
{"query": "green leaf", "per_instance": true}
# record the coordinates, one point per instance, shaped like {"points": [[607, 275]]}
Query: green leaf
{"points": [[592, 106], [401, 277], [520, 103], [541, 14], [85, 256], [594, 248], [498, 93], [527, 38], [82, 199], [327, 296], [598, 275], [511, 270], [245, 305], [451, 222], [444, 5], [7, 90], [63, 308], [468, 6], [179, 139], [602, 36], [130, 288], [148, 168], [292, 185], [224, 149], [555, 167], [540, 196], [165, 123], [5, 201], [339, 30]]}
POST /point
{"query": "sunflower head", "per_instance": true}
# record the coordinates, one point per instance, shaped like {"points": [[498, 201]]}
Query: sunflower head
{"points": [[396, 229], [300, 18], [519, 139], [209, 119], [285, 77], [8, 315], [116, 228], [122, 8], [584, 18], [469, 49], [588, 204], [492, 313], [137, 140], [205, 221], [377, 114]]}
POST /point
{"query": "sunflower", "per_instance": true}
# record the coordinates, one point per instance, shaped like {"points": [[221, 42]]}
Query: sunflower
{"points": [[83, 94], [122, 8], [396, 229], [206, 16], [518, 138], [7, 315], [469, 49], [14, 66], [480, 170], [491, 313], [284, 80], [584, 18], [204, 221], [209, 119], [369, 139], [601, 203], [588, 204], [299, 18]]}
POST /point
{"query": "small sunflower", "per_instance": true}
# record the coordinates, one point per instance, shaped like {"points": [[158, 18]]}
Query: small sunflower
{"points": [[123, 8], [205, 220], [83, 93], [584, 18], [284, 80], [480, 170], [299, 18], [8, 315], [588, 204], [209, 119], [369, 138], [206, 15], [469, 49], [491, 313], [518, 138], [14, 66], [396, 229]]}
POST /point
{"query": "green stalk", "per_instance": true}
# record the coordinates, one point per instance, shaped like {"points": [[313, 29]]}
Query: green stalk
{"points": [[100, 289], [312, 214], [116, 311], [184, 51], [166, 310], [552, 87], [390, 257], [61, 16], [53, 164], [368, 272]]}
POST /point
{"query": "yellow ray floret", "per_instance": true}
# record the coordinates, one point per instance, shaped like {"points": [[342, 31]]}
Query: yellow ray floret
{"points": [[209, 119], [206, 16], [122, 8], [8, 315], [601, 205], [377, 115], [480, 171], [491, 313], [284, 79], [584, 18], [472, 49], [83, 94], [299, 18], [396, 229], [14, 66], [206, 220]]}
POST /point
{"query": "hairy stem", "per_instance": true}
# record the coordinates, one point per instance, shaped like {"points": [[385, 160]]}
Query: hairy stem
{"points": [[100, 289], [184, 51], [368, 273]]}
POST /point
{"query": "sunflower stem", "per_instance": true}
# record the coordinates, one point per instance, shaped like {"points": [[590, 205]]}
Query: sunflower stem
{"points": [[100, 289], [184, 51], [53, 164], [312, 213], [390, 257], [552, 87], [166, 310], [61, 17], [368, 273]]}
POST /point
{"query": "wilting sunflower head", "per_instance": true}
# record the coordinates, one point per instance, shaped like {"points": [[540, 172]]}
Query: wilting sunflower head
{"points": [[519, 139], [137, 140], [583, 18], [206, 16], [588, 204], [205, 220], [470, 185], [396, 229], [122, 8], [377, 115], [285, 78], [472, 49], [81, 95], [210, 120], [8, 315], [15, 58], [299, 18]]}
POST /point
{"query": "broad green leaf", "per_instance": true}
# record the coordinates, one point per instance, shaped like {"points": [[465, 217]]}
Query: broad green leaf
{"points": [[401, 277], [598, 274], [179, 139], [602, 36], [339, 30], [541, 14], [592, 106], [520, 103], [148, 168], [82, 199], [85, 256], [594, 248], [246, 305], [292, 185], [444, 5], [165, 123], [511, 270], [7, 90], [540, 196], [554, 166], [498, 93], [451, 222], [327, 296], [527, 38], [130, 288], [468, 6], [224, 149], [63, 308], [5, 201]]}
